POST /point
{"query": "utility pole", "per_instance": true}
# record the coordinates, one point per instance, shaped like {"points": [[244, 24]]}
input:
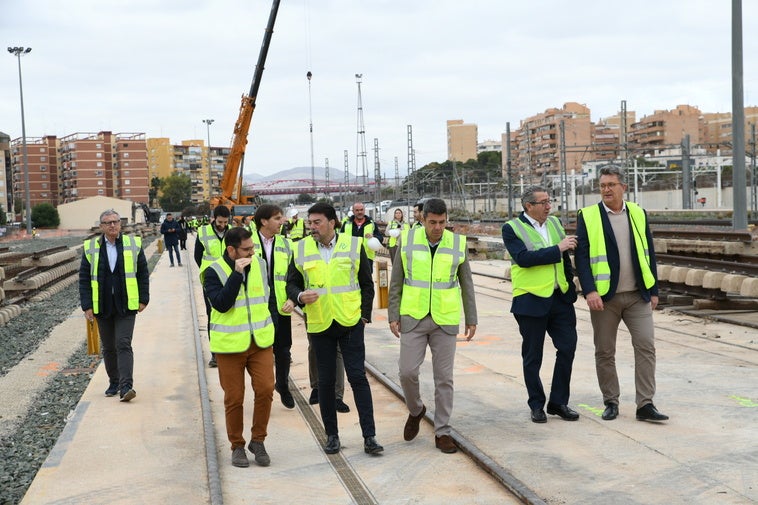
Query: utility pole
{"points": [[397, 179], [738, 122], [208, 123], [686, 174], [347, 178], [310, 114], [362, 161], [508, 168], [564, 198], [377, 173], [411, 175], [753, 175], [18, 52]]}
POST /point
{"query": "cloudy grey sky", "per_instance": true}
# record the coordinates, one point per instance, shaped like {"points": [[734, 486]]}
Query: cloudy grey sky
{"points": [[161, 66]]}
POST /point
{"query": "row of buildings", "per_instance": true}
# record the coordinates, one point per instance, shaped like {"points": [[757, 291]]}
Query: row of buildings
{"points": [[121, 165], [537, 147]]}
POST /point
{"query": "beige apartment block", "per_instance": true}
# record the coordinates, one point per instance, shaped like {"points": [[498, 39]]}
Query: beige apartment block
{"points": [[160, 157], [43, 170], [665, 129], [716, 130], [538, 148], [461, 140]]}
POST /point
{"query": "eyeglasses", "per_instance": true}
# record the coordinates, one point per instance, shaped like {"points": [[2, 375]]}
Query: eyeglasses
{"points": [[610, 185], [111, 223], [543, 202]]}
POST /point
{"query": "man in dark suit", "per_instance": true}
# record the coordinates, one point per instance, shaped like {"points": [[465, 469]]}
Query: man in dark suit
{"points": [[615, 263], [543, 299]]}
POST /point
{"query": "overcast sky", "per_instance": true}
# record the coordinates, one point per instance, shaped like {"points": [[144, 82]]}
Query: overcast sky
{"points": [[162, 66]]}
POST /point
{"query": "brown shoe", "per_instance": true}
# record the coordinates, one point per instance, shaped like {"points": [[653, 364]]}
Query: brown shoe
{"points": [[412, 425], [445, 444]]}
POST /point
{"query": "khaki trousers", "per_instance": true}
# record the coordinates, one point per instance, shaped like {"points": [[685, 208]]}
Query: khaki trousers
{"points": [[412, 351], [259, 364], [637, 315]]}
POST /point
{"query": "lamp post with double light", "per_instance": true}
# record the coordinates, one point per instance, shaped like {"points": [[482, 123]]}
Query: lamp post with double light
{"points": [[18, 52]]}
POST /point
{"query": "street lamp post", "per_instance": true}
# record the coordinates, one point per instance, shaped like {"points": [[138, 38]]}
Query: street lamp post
{"points": [[208, 123], [18, 52]]}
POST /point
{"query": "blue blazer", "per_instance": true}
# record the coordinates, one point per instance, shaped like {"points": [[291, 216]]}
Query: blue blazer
{"points": [[529, 304], [582, 256]]}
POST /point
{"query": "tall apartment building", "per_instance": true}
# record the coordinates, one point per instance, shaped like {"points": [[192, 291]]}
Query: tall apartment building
{"points": [[664, 129], [538, 151], [716, 130], [104, 164], [43, 170], [461, 140], [6, 196]]}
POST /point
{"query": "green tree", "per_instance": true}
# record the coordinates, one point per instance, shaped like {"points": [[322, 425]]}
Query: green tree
{"points": [[3, 216], [176, 193], [45, 215], [155, 186], [305, 198]]}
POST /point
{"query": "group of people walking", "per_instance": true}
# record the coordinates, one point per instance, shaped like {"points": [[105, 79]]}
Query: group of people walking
{"points": [[253, 277]]}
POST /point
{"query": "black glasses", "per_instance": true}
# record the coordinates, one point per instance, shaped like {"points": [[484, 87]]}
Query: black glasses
{"points": [[543, 202], [111, 223]]}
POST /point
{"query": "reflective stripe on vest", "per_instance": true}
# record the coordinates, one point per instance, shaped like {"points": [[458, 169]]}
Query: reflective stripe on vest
{"points": [[601, 269], [369, 228], [539, 280], [230, 331], [213, 248], [431, 283], [335, 282], [282, 256], [131, 248], [297, 230]]}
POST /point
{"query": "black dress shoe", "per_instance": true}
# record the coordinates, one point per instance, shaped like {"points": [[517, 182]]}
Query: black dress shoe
{"points": [[538, 416], [332, 444], [341, 406], [611, 412], [371, 446], [650, 413], [287, 399], [313, 400], [563, 411]]}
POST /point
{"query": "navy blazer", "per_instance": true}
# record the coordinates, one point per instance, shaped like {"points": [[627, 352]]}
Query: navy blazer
{"points": [[582, 256], [529, 304]]}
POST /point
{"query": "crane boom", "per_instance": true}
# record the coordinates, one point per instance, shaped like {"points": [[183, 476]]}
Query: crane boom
{"points": [[233, 169]]}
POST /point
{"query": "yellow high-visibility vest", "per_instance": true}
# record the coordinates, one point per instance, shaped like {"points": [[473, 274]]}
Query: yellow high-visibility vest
{"points": [[601, 270], [368, 228], [131, 246], [394, 225], [336, 282], [232, 330], [282, 256], [539, 280], [431, 283], [213, 248]]}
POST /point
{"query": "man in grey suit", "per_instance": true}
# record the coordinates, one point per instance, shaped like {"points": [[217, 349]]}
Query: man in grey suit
{"points": [[426, 288]]}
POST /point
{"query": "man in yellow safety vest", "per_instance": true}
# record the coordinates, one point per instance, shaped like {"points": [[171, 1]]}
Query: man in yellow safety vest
{"points": [[615, 263], [425, 309]]}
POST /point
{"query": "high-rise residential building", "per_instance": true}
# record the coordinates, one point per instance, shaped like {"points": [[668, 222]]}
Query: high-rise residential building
{"points": [[461, 140], [104, 164], [43, 170], [6, 196], [538, 146], [663, 129], [489, 145], [716, 130]]}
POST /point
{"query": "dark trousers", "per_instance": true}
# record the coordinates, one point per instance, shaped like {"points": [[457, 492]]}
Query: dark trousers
{"points": [[282, 347], [171, 248], [350, 341], [560, 324], [116, 337]]}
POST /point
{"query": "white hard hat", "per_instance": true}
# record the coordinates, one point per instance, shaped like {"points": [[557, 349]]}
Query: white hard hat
{"points": [[292, 212], [394, 232], [374, 244], [350, 213]]}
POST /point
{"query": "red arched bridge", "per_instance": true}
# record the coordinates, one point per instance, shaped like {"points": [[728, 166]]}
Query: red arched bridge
{"points": [[298, 186]]}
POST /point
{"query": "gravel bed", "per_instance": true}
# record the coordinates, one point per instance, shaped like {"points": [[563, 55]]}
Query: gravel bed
{"points": [[26, 449]]}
